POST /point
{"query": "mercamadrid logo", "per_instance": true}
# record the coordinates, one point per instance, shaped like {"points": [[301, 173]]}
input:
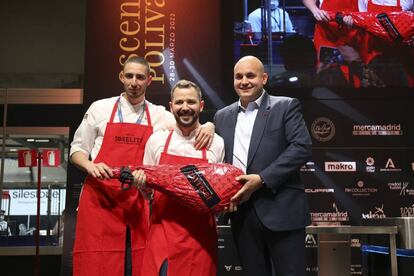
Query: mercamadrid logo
{"points": [[372, 130], [323, 129], [340, 166]]}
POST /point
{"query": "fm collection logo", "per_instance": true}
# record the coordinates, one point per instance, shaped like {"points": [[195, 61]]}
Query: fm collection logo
{"points": [[360, 190], [340, 166], [323, 129], [377, 130]]}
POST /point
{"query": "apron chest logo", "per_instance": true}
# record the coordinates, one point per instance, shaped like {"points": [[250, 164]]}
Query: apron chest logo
{"points": [[128, 140]]}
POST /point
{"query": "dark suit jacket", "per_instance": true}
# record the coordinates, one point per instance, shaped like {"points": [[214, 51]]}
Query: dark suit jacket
{"points": [[279, 146]]}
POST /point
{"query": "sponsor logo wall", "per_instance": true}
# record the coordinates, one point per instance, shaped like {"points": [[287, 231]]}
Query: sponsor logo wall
{"points": [[362, 166]]}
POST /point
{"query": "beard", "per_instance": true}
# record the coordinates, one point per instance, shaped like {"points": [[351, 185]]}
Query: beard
{"points": [[186, 123]]}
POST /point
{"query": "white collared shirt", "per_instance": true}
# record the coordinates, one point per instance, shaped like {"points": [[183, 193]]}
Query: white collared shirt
{"points": [[88, 137], [243, 132], [181, 146]]}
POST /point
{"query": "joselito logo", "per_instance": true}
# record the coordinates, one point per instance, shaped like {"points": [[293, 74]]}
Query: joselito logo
{"points": [[340, 166], [374, 130], [378, 213], [323, 129], [128, 140]]}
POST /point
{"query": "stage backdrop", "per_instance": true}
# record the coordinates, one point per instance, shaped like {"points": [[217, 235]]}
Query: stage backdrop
{"points": [[180, 39]]}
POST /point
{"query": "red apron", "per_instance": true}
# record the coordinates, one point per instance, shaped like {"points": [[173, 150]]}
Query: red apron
{"points": [[105, 210], [372, 46], [187, 240], [327, 33]]}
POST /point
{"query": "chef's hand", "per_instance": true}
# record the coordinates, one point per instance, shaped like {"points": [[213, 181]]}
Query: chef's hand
{"points": [[140, 182], [99, 170], [320, 15], [204, 136], [348, 21], [252, 182]]}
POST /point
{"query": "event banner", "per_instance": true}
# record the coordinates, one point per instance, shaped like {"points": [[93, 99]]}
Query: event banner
{"points": [[180, 39]]}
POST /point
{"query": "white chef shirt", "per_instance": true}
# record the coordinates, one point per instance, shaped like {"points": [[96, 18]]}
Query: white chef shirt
{"points": [[89, 135], [181, 146]]}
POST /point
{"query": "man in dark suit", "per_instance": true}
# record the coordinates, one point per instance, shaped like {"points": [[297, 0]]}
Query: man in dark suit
{"points": [[266, 137]]}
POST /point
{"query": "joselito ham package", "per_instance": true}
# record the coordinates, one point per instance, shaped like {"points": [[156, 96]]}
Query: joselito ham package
{"points": [[396, 27], [201, 187]]}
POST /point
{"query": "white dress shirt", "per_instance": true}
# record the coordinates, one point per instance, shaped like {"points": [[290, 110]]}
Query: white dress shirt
{"points": [[182, 146], [89, 135], [243, 132], [406, 5], [255, 19]]}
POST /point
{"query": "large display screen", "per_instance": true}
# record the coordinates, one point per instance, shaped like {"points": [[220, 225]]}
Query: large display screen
{"points": [[301, 50]]}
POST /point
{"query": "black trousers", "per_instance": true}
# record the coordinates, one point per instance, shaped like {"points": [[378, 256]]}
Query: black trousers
{"points": [[264, 252]]}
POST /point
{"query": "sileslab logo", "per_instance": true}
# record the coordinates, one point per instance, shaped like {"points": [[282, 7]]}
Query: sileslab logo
{"points": [[340, 166], [323, 129], [378, 213], [374, 130], [390, 167]]}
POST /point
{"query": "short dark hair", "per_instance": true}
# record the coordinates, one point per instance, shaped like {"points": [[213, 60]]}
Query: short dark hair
{"points": [[186, 84], [140, 60]]}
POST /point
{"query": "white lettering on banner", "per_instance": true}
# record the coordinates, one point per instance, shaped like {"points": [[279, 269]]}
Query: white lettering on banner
{"points": [[340, 166], [378, 213], [372, 130]]}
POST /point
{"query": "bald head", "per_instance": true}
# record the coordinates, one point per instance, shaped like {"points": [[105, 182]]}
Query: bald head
{"points": [[249, 79], [251, 61]]}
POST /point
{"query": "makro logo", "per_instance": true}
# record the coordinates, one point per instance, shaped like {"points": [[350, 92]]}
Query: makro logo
{"points": [[373, 130], [370, 165], [340, 166], [390, 166], [323, 129], [378, 213], [360, 189]]}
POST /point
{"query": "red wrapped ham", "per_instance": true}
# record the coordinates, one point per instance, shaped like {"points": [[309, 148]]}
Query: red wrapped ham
{"points": [[201, 187], [392, 27]]}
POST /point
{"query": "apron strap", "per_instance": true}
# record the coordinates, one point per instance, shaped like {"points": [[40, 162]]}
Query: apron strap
{"points": [[115, 108], [148, 115], [167, 144]]}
